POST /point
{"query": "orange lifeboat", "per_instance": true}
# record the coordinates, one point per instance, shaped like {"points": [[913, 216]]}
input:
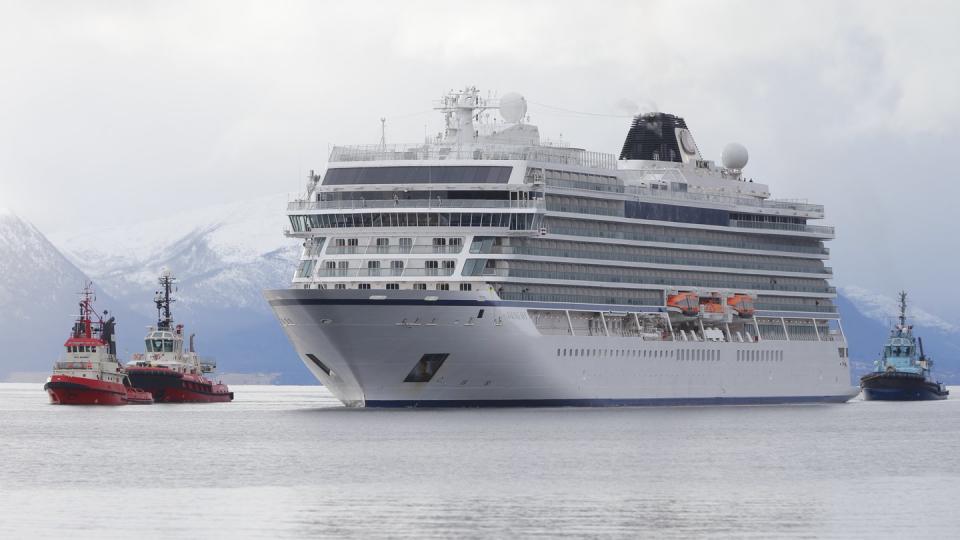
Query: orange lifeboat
{"points": [[742, 304], [713, 308], [687, 303]]}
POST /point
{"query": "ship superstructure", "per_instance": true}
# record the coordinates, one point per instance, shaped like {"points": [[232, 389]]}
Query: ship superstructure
{"points": [[487, 267]]}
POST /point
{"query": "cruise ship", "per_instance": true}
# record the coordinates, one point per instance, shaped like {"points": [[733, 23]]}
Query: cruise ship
{"points": [[487, 266]]}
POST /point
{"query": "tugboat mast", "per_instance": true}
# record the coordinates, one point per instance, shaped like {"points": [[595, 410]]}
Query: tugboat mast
{"points": [[903, 308], [163, 301]]}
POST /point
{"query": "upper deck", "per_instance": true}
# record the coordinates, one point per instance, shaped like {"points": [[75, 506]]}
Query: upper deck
{"points": [[474, 152]]}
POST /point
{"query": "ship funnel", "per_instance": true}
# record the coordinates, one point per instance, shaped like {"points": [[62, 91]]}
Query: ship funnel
{"points": [[659, 137]]}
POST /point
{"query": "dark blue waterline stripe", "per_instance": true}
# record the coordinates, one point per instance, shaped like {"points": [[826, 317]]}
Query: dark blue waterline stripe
{"points": [[648, 402], [518, 304]]}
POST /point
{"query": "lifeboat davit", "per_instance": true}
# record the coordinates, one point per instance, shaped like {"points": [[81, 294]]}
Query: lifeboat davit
{"points": [[686, 302], [742, 304]]}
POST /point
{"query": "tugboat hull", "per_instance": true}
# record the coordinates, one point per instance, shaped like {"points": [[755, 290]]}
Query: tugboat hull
{"points": [[169, 386], [66, 390], [898, 386]]}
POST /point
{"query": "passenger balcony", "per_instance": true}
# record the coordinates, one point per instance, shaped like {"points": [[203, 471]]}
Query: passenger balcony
{"points": [[403, 204]]}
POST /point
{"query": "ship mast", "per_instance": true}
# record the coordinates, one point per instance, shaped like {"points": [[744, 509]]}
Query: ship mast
{"points": [[84, 326], [163, 301], [903, 308]]}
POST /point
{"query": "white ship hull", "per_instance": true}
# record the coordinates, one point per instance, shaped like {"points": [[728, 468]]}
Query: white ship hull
{"points": [[365, 344]]}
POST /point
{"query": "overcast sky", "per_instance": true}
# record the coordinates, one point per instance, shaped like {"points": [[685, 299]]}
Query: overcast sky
{"points": [[117, 110]]}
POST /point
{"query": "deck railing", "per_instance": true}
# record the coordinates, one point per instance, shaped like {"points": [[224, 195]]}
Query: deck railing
{"points": [[440, 152]]}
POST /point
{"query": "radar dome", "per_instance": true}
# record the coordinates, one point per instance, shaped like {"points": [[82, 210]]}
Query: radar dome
{"points": [[513, 107], [734, 156]]}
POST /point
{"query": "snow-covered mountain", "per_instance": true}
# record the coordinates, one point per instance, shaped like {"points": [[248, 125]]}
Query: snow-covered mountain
{"points": [[38, 297], [224, 256]]}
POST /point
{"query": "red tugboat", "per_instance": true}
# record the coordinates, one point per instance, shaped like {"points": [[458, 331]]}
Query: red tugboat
{"points": [[89, 372], [166, 370]]}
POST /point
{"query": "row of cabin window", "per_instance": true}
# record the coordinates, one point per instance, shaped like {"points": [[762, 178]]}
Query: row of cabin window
{"points": [[635, 353], [416, 286], [759, 356], [403, 242], [397, 265], [682, 354], [81, 348]]}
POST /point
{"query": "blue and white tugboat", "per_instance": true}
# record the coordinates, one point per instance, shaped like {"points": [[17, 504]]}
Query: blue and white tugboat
{"points": [[903, 371]]}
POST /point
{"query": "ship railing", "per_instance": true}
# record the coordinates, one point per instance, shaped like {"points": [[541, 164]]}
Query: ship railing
{"points": [[384, 272], [760, 285], [442, 152], [208, 364], [411, 203], [392, 250], [621, 256], [795, 227], [665, 193], [73, 365], [640, 237], [797, 206]]}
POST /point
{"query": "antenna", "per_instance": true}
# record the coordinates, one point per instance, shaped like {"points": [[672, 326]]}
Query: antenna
{"points": [[383, 132]]}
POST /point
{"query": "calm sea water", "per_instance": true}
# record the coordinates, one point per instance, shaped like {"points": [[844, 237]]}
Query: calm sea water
{"points": [[290, 462]]}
